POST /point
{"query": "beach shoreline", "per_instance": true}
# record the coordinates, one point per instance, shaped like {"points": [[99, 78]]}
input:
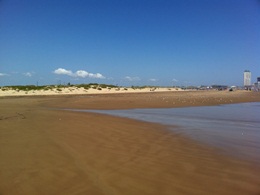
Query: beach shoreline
{"points": [[45, 150]]}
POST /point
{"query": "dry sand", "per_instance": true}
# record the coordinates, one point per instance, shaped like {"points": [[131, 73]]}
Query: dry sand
{"points": [[48, 151], [5, 91]]}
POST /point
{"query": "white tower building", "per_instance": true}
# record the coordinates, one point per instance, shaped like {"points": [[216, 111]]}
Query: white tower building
{"points": [[247, 78]]}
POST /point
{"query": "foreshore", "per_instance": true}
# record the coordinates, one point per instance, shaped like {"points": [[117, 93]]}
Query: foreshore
{"points": [[45, 150]]}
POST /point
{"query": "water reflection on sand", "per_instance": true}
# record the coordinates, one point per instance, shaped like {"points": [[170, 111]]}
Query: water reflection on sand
{"points": [[234, 128]]}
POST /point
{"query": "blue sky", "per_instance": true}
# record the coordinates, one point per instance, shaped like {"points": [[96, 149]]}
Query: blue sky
{"points": [[129, 42]]}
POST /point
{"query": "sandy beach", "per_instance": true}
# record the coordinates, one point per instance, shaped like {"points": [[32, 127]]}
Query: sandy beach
{"points": [[45, 150]]}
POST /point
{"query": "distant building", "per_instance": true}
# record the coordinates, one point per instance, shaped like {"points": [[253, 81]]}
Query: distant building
{"points": [[247, 78], [257, 84]]}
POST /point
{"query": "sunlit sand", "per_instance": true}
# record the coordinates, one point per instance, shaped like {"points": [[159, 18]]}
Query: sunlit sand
{"points": [[80, 90]]}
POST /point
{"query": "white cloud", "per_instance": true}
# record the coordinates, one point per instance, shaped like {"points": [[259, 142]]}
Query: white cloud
{"points": [[82, 73], [79, 73], [63, 71], [3, 74], [28, 74], [132, 78], [98, 76], [153, 80], [174, 80]]}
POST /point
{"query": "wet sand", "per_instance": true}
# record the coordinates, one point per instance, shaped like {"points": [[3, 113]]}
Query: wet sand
{"points": [[49, 151]]}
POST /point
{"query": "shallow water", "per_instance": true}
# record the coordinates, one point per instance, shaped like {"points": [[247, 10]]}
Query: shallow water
{"points": [[234, 128]]}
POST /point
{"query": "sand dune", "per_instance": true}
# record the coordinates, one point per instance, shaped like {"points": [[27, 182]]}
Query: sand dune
{"points": [[82, 91]]}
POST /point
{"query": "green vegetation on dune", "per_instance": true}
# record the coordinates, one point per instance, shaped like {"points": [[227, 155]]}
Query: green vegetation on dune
{"points": [[26, 87], [72, 87], [57, 87]]}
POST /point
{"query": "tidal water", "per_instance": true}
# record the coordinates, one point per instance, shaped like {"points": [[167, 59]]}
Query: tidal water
{"points": [[233, 128]]}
